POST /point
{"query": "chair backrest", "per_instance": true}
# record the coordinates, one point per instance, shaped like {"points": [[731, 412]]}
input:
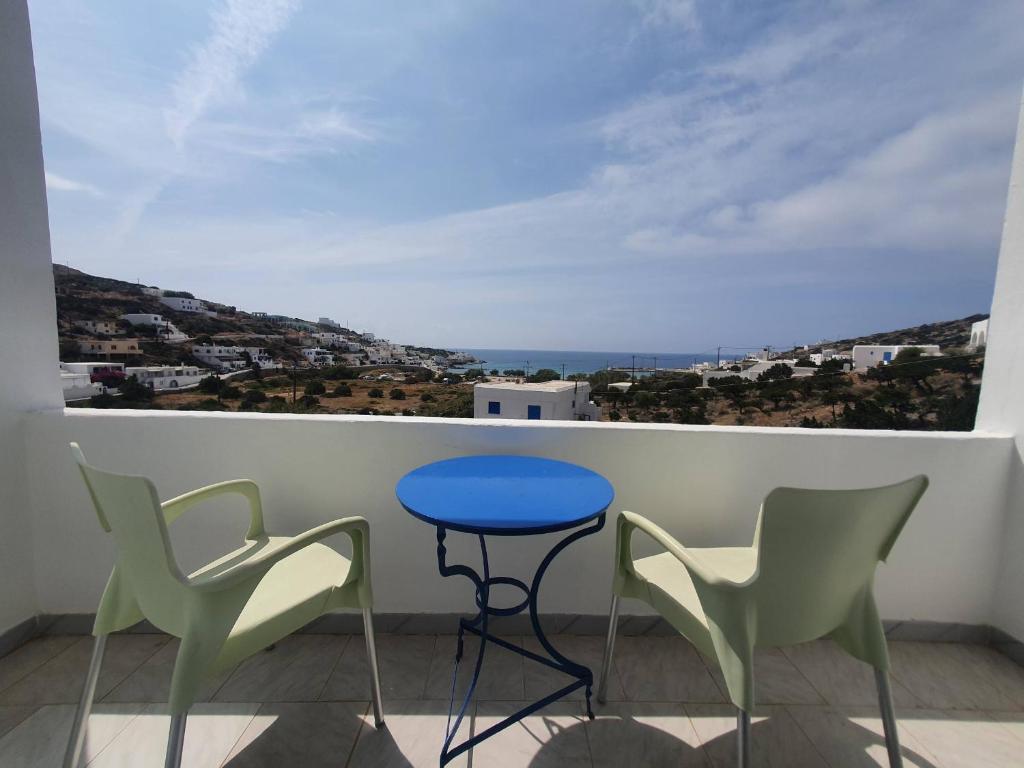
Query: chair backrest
{"points": [[128, 507], [818, 551]]}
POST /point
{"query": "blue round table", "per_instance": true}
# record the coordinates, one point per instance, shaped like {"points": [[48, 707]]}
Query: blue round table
{"points": [[506, 496]]}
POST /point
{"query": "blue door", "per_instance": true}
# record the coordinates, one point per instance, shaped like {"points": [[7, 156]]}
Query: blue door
{"points": [[494, 408], [533, 411], [887, 357]]}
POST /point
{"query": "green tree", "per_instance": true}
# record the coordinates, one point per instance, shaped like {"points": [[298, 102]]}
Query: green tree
{"points": [[254, 396], [211, 385], [776, 372], [343, 390], [375, 393], [426, 397], [544, 374], [397, 394], [132, 391], [806, 362], [315, 387]]}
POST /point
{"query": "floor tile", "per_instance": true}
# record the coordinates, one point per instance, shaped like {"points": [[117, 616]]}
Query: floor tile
{"points": [[210, 733], [841, 679], [855, 737], [32, 655], [663, 669], [41, 740], [955, 676], [14, 714], [654, 735], [60, 680], [412, 737], [587, 650], [965, 739], [295, 670], [404, 662], [501, 677], [313, 735], [776, 680], [151, 682], [775, 737], [554, 736]]}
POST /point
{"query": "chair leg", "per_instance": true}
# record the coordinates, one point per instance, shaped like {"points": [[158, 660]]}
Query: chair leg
{"points": [[175, 741], [892, 739], [742, 739], [609, 649], [371, 656], [78, 728]]}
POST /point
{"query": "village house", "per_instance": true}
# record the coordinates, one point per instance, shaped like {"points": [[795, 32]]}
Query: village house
{"points": [[109, 347], [165, 329], [561, 400], [870, 355], [160, 377], [101, 327]]}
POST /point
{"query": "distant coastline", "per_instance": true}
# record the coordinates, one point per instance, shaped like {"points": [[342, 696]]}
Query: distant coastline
{"points": [[577, 361]]}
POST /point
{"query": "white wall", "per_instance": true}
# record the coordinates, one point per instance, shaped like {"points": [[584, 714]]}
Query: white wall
{"points": [[1002, 405], [27, 378], [704, 484]]}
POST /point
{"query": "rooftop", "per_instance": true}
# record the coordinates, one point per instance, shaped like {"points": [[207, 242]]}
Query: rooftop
{"points": [[540, 386]]}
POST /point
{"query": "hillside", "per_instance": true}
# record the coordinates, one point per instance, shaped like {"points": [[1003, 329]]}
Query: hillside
{"points": [[948, 334], [81, 296]]}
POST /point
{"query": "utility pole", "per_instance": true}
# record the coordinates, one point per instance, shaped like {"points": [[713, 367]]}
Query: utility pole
{"points": [[718, 364], [632, 374], [563, 371], [527, 367], [655, 363]]}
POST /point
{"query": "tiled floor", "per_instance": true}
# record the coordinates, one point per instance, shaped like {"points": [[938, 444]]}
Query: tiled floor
{"points": [[304, 703]]}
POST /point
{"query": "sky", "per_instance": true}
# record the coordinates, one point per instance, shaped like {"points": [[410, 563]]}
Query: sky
{"points": [[667, 175]]}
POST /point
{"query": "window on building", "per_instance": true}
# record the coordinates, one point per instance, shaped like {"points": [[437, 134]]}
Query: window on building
{"points": [[494, 408], [533, 411]]}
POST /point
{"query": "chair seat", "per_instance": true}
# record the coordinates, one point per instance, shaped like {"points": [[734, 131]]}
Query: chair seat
{"points": [[294, 592], [672, 588]]}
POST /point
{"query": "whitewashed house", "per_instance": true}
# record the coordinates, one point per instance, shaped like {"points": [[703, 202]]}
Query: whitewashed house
{"points": [[328, 322], [182, 304], [78, 385], [752, 372], [91, 368], [160, 377], [550, 400], [262, 358], [166, 330], [102, 327], [870, 355], [318, 356], [223, 358], [979, 335]]}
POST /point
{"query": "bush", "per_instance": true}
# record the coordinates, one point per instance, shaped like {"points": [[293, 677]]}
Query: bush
{"points": [[343, 390], [397, 394], [254, 396], [308, 401], [614, 415], [230, 392], [544, 374], [315, 388], [375, 393], [131, 390], [211, 385], [426, 397]]}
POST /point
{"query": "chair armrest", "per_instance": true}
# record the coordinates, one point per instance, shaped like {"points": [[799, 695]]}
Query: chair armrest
{"points": [[630, 521], [173, 508], [357, 528]]}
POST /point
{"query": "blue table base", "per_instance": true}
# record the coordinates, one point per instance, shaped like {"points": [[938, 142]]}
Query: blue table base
{"points": [[478, 626]]}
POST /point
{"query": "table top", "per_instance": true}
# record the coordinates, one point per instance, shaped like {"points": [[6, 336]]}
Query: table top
{"points": [[505, 495]]}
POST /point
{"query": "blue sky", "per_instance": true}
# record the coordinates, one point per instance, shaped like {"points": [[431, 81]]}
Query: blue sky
{"points": [[584, 174]]}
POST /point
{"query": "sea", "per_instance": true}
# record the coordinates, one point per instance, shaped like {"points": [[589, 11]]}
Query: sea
{"points": [[579, 362]]}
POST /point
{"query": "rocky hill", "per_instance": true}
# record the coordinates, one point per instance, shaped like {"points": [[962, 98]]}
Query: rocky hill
{"points": [[948, 334]]}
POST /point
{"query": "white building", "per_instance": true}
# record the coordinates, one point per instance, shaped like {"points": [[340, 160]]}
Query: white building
{"points": [[167, 376], [78, 385], [550, 400], [166, 330], [102, 327], [317, 356], [91, 368], [220, 357], [327, 321], [870, 355], [152, 290], [979, 335], [181, 304], [262, 358]]}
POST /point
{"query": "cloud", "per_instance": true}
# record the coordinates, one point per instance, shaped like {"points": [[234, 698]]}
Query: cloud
{"points": [[241, 31], [62, 184], [678, 13]]}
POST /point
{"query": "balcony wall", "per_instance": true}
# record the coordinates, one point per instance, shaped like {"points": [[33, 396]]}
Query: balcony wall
{"points": [[703, 484]]}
